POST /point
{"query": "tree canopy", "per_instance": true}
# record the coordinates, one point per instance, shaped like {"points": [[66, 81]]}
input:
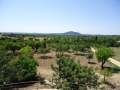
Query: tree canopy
{"points": [[103, 54], [70, 75]]}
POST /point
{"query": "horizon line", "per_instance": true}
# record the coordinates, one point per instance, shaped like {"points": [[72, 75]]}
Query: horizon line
{"points": [[51, 33]]}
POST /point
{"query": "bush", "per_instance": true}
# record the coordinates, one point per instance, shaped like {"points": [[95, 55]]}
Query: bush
{"points": [[26, 51], [72, 76], [43, 50], [16, 68], [26, 67], [23, 68], [59, 54]]}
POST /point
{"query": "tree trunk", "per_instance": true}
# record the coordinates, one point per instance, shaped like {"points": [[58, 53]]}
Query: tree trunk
{"points": [[102, 65]]}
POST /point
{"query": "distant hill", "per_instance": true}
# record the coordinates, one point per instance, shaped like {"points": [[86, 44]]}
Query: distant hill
{"points": [[71, 33], [65, 33], [37, 34]]}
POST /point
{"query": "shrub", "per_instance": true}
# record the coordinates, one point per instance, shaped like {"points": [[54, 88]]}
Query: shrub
{"points": [[69, 75]]}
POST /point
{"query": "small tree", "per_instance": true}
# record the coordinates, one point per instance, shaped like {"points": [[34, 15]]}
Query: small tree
{"points": [[13, 46], [4, 60], [103, 54], [26, 51], [37, 45], [59, 54], [72, 76], [44, 51], [26, 67], [89, 56], [76, 48], [44, 43], [106, 73], [15, 69]]}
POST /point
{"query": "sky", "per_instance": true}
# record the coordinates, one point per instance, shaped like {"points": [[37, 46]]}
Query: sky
{"points": [[56, 16]]}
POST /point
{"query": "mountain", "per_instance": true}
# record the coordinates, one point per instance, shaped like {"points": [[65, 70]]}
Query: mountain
{"points": [[37, 34], [65, 33], [71, 33]]}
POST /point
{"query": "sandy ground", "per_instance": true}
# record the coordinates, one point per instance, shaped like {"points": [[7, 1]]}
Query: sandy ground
{"points": [[35, 86], [44, 67], [45, 70], [115, 79]]}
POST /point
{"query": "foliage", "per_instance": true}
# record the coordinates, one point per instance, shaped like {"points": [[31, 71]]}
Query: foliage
{"points": [[4, 59], [26, 51], [72, 76], [89, 56], [44, 43], [103, 54], [25, 68], [106, 73], [10, 60], [16, 68], [12, 46], [43, 50], [59, 54], [61, 48]]}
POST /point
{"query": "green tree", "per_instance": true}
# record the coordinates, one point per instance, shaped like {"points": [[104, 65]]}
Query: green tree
{"points": [[5, 58], [23, 68], [26, 51], [13, 46], [44, 51], [103, 54], [37, 44], [89, 56], [19, 69], [44, 43], [16, 68], [70, 75]]}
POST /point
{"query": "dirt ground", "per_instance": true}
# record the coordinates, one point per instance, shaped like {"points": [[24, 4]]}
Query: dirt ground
{"points": [[44, 68], [35, 86]]}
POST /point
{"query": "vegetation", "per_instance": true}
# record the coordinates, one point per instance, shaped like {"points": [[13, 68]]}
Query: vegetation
{"points": [[26, 51], [103, 54], [22, 68], [72, 76], [89, 56], [17, 62], [106, 73], [17, 68]]}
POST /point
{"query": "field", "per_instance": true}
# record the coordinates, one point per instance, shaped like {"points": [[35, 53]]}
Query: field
{"points": [[45, 64], [31, 59], [45, 70]]}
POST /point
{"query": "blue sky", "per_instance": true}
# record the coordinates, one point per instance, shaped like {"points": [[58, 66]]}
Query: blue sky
{"points": [[54, 16]]}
